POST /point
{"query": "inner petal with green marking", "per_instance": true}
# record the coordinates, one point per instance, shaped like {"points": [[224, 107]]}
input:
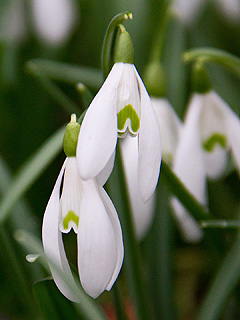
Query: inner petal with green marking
{"points": [[70, 217], [128, 118], [213, 140]]}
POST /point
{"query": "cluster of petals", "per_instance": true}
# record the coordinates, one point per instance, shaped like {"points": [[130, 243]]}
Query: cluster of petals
{"points": [[122, 108], [85, 207], [211, 130]]}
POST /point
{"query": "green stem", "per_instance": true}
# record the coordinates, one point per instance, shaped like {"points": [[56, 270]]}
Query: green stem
{"points": [[223, 224], [160, 257], [223, 285], [68, 73], [157, 50], [117, 190], [176, 187], [110, 37], [119, 304], [85, 94], [52, 89], [218, 56]]}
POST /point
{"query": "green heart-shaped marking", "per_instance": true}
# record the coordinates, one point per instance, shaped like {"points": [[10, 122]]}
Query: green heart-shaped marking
{"points": [[71, 216], [216, 138], [128, 112]]}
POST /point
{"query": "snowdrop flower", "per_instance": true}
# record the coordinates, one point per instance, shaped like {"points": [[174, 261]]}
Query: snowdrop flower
{"points": [[188, 10], [211, 129], [54, 20], [122, 108], [170, 127], [85, 207]]}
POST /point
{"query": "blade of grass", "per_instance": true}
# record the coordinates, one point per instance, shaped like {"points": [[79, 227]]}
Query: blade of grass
{"points": [[68, 73], [30, 171], [52, 89], [117, 190], [86, 306], [225, 282]]}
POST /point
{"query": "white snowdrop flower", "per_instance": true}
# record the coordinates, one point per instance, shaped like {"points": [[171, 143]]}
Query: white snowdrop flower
{"points": [[54, 19], [121, 108], [211, 129], [85, 207]]}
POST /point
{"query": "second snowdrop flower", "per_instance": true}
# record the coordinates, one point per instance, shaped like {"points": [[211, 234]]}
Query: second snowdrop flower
{"points": [[122, 107], [85, 207]]}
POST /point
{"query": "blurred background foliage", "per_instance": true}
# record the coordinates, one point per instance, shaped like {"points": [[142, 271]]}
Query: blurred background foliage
{"points": [[29, 115]]}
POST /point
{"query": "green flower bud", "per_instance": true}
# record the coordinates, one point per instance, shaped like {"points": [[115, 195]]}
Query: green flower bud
{"points": [[124, 49], [155, 79], [71, 137]]}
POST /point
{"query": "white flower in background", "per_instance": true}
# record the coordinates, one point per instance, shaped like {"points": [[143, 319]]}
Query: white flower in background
{"points": [[12, 21], [85, 207], [54, 19], [189, 10], [211, 129], [170, 127], [122, 107]]}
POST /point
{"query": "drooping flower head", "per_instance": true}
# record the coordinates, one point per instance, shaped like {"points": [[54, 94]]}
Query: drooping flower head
{"points": [[121, 108], [85, 207], [211, 129]]}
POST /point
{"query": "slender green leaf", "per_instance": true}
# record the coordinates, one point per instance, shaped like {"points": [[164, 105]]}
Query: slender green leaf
{"points": [[86, 306], [31, 170], [52, 89], [227, 278], [67, 73], [53, 304]]}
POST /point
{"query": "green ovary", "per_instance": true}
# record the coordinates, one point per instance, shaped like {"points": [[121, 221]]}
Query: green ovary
{"points": [[71, 216], [216, 138], [128, 112]]}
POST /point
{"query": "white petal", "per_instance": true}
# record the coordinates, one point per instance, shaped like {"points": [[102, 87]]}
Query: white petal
{"points": [[232, 128], [189, 227], [97, 247], [71, 195], [112, 214], [230, 8], [105, 173], [149, 158], [52, 239], [188, 10], [128, 94], [142, 212], [212, 122], [98, 134], [169, 125], [188, 163], [54, 19]]}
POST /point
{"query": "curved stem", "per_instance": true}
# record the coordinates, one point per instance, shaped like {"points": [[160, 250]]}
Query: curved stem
{"points": [[218, 56], [108, 43]]}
